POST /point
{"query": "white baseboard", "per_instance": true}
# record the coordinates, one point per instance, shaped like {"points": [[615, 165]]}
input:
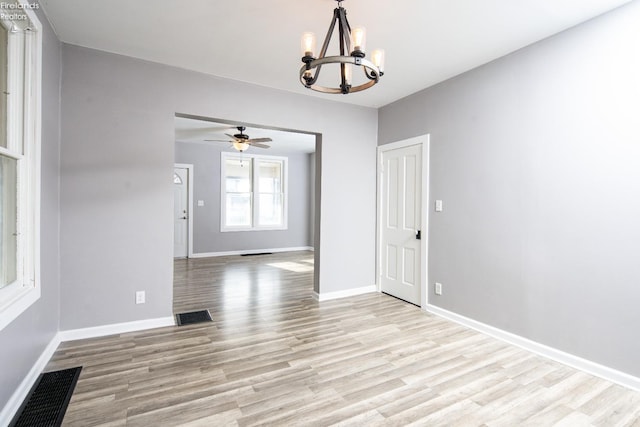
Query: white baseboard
{"points": [[251, 251], [18, 396], [571, 360], [343, 294], [116, 328]]}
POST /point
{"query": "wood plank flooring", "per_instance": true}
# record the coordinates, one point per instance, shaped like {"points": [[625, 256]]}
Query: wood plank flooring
{"points": [[275, 356]]}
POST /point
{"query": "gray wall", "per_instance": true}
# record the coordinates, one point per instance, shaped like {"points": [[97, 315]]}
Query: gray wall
{"points": [[24, 340], [537, 159], [207, 237], [117, 165]]}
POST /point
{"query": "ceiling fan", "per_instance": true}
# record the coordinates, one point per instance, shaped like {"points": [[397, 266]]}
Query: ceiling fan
{"points": [[241, 141]]}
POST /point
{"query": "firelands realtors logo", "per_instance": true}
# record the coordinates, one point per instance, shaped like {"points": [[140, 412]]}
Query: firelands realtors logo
{"points": [[14, 11]]}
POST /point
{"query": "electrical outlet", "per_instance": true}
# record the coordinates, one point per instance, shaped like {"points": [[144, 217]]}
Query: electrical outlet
{"points": [[140, 297], [438, 288]]}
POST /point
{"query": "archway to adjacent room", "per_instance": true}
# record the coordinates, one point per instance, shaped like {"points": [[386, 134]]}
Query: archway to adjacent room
{"points": [[252, 215]]}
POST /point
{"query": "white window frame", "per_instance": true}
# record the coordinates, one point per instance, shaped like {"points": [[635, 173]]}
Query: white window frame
{"points": [[255, 208], [24, 130]]}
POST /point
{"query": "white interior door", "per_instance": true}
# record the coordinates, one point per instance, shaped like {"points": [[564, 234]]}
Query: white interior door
{"points": [[401, 216], [180, 212]]}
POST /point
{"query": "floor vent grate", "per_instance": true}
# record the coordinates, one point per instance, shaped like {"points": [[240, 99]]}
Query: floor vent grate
{"points": [[193, 317], [47, 402]]}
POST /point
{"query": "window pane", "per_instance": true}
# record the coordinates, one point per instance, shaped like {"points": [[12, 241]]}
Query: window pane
{"points": [[3, 86], [8, 221], [238, 176], [270, 209], [238, 210], [270, 177]]}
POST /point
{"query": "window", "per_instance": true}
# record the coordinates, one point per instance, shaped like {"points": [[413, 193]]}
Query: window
{"points": [[254, 192], [20, 50]]}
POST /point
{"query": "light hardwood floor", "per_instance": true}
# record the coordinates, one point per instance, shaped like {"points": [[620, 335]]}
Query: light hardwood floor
{"points": [[275, 356]]}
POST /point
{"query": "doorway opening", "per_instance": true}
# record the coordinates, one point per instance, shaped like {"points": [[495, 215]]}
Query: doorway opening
{"points": [[259, 199], [182, 219]]}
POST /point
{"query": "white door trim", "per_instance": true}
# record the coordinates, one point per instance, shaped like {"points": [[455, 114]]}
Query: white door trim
{"points": [[189, 168], [424, 243]]}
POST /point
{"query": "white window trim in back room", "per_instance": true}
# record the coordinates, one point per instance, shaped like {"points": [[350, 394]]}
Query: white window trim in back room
{"points": [[251, 159], [24, 58]]}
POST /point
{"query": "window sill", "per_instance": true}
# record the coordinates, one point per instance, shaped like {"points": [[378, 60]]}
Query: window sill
{"points": [[230, 230], [17, 302]]}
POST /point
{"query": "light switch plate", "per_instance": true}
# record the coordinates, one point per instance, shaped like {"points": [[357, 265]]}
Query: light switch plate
{"points": [[438, 205], [200, 202]]}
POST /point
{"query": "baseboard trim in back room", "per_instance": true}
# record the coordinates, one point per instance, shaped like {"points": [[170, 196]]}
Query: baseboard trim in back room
{"points": [[251, 252]]}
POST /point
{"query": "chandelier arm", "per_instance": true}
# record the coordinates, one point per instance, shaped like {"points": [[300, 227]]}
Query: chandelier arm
{"points": [[344, 86], [315, 76], [345, 36], [371, 74], [327, 38]]}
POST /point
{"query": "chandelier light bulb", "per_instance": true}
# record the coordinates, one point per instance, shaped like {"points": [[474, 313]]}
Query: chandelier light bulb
{"points": [[377, 57], [358, 39], [308, 44], [348, 73]]}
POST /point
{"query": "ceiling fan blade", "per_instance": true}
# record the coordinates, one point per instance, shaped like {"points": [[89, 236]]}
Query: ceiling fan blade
{"points": [[218, 140], [253, 144], [232, 137], [260, 140]]}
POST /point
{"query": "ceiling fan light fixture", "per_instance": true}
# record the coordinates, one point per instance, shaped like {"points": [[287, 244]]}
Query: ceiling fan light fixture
{"points": [[240, 146], [241, 141], [352, 44]]}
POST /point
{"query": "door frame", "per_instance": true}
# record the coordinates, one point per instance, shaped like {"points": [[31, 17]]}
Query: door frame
{"points": [[189, 168], [423, 140]]}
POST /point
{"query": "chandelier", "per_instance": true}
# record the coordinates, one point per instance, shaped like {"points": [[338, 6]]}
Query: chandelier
{"points": [[352, 55]]}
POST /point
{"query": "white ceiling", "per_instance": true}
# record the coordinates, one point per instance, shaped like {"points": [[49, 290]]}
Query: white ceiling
{"points": [[258, 41], [197, 131]]}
